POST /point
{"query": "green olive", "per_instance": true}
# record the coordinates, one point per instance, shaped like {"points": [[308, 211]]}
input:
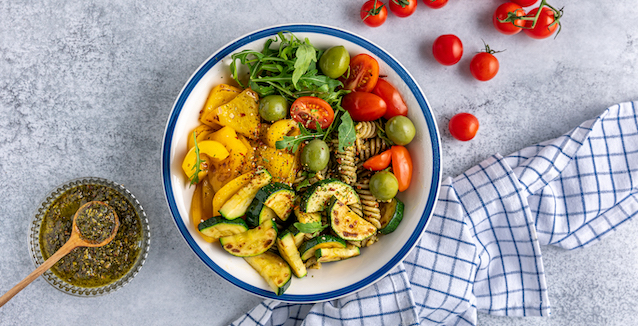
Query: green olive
{"points": [[273, 108], [384, 185], [400, 130], [335, 61], [315, 155]]}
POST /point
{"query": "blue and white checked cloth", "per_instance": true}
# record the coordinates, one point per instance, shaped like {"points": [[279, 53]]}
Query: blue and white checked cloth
{"points": [[481, 250]]}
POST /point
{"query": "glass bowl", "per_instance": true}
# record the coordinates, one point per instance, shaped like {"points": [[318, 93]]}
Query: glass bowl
{"points": [[57, 282]]}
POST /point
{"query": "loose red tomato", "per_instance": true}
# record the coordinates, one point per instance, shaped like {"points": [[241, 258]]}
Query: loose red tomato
{"points": [[392, 98], [310, 110], [373, 13], [364, 106], [484, 65], [435, 4], [364, 73], [378, 162], [402, 166], [546, 25], [463, 126], [525, 3], [447, 49], [402, 8], [502, 12]]}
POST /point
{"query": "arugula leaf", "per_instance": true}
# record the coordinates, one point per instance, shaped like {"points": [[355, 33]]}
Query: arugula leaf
{"points": [[305, 54], [311, 227], [194, 179], [347, 133]]}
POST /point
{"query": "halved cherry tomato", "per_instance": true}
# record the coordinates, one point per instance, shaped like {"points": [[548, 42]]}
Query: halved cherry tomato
{"points": [[545, 26], [378, 162], [310, 110], [373, 13], [392, 97], [402, 8], [402, 166], [502, 12], [435, 4], [364, 73], [364, 106]]}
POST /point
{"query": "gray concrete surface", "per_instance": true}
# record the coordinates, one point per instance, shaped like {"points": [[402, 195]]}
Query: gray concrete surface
{"points": [[86, 87]]}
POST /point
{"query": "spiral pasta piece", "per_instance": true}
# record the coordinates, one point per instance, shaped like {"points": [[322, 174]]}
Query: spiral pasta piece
{"points": [[370, 205], [346, 163], [371, 147], [366, 129]]}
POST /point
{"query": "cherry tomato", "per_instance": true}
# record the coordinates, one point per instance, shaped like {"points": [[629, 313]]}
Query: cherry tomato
{"points": [[463, 126], [378, 162], [373, 13], [484, 65], [545, 26], [508, 28], [525, 3], [447, 49], [310, 110], [393, 99], [364, 106], [364, 73], [402, 8], [402, 166], [435, 4]]}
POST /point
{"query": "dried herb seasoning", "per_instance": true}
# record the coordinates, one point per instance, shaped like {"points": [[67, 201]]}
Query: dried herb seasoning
{"points": [[84, 266], [96, 222]]}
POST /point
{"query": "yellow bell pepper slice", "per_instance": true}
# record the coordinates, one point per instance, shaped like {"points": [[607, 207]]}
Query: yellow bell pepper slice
{"points": [[207, 198], [249, 159], [218, 96], [197, 215], [231, 167], [201, 132], [210, 152], [241, 114], [227, 191], [279, 163], [279, 129]]}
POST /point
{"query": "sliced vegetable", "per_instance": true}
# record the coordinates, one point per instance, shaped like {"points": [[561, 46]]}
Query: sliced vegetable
{"points": [[326, 255], [347, 224], [257, 213], [197, 215], [364, 73], [218, 96], [297, 235], [237, 205], [391, 215], [279, 129], [200, 132], [207, 198], [227, 191], [218, 227], [317, 198], [282, 165], [231, 167], [308, 248], [379, 162], [273, 269], [402, 166], [211, 149], [252, 242], [241, 114], [279, 197], [289, 252], [310, 111], [304, 217]]}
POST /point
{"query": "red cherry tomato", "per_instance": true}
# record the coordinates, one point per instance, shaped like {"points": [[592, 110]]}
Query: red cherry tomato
{"points": [[392, 98], [378, 162], [310, 110], [525, 3], [447, 49], [545, 26], [364, 73], [402, 8], [435, 4], [364, 106], [484, 65], [373, 13], [502, 12], [463, 126], [402, 166]]}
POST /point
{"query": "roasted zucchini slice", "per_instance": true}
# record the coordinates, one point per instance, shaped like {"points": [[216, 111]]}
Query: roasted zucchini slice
{"points": [[348, 225], [258, 213], [289, 252], [317, 198], [252, 242], [273, 269], [308, 248], [237, 205], [325, 255], [391, 216], [279, 197], [217, 227]]}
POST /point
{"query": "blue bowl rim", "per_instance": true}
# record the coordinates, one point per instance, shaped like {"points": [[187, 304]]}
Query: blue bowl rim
{"points": [[318, 29]]}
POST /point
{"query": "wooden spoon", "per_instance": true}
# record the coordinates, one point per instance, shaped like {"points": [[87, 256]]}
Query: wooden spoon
{"points": [[77, 239]]}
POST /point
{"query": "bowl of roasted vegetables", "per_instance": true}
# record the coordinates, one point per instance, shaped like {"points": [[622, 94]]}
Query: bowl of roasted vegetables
{"points": [[301, 162]]}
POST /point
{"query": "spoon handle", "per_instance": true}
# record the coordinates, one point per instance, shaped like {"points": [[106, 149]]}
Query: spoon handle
{"points": [[65, 249]]}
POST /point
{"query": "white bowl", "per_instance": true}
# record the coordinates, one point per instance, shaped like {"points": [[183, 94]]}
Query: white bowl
{"points": [[333, 280]]}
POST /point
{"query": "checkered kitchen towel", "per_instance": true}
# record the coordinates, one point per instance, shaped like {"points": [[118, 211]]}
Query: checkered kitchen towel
{"points": [[481, 250]]}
